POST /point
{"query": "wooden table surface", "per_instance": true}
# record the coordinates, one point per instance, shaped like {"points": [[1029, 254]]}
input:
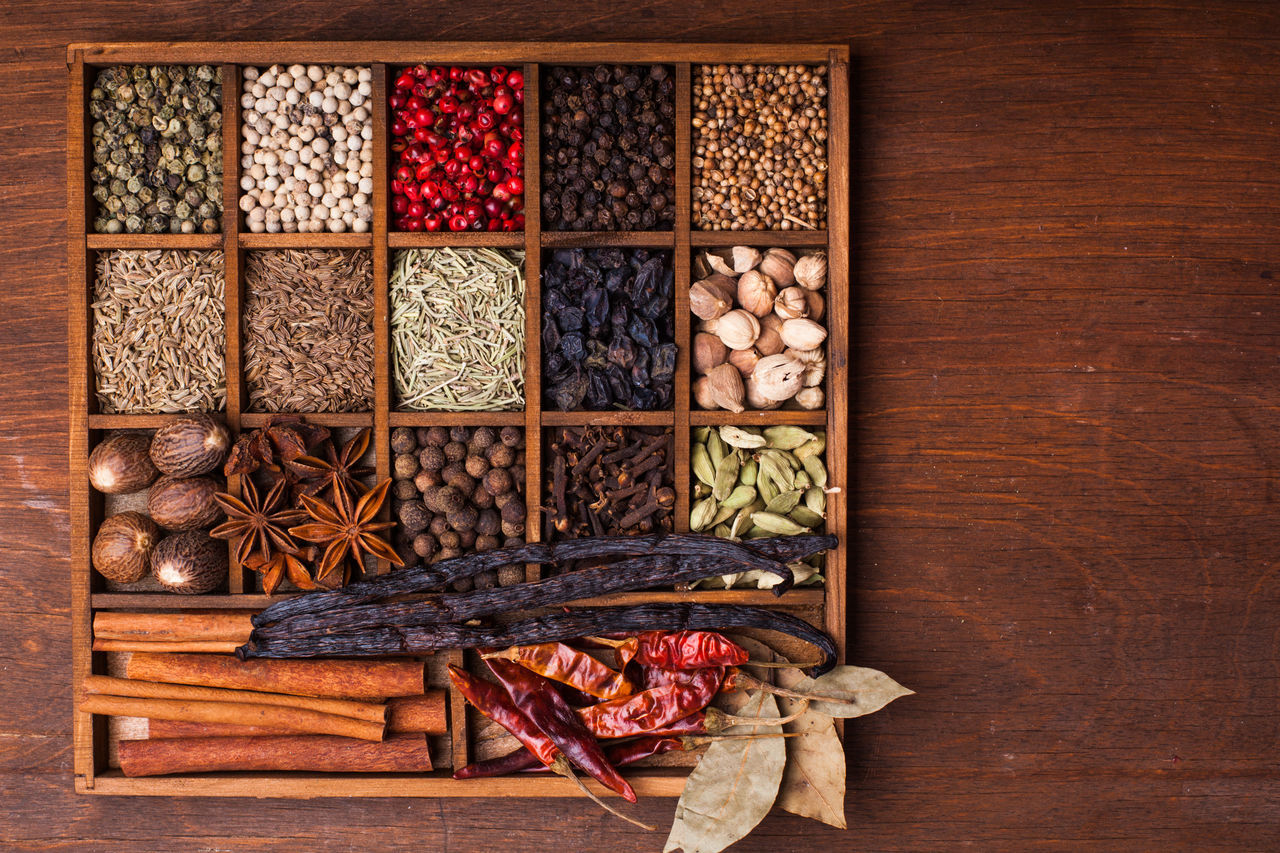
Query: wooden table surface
{"points": [[1066, 233]]}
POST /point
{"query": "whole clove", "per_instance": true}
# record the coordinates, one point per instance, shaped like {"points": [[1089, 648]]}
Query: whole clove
{"points": [[608, 329], [609, 480]]}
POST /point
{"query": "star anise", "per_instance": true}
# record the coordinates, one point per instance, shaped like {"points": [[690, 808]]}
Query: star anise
{"points": [[346, 529], [257, 523], [280, 565], [341, 472]]}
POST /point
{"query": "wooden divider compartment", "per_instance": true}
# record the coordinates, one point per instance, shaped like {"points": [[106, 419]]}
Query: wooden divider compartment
{"points": [[824, 606]]}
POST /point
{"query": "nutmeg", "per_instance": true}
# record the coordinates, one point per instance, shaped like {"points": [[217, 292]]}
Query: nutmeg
{"points": [[803, 333], [190, 563], [791, 303], [745, 258], [756, 292], [778, 377], [190, 445], [744, 359], [121, 463], [724, 387], [738, 329], [708, 352], [183, 503], [811, 271], [122, 547], [770, 340], [778, 264]]}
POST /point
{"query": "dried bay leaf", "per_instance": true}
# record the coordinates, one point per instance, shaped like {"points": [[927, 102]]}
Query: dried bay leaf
{"points": [[734, 785], [861, 690], [813, 782]]}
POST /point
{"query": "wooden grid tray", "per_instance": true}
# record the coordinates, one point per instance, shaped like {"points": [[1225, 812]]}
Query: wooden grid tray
{"points": [[823, 606]]}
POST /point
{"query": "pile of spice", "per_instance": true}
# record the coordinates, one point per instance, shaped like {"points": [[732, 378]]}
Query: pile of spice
{"points": [[759, 337], [457, 329], [458, 134], [751, 483], [460, 491], [307, 158], [308, 330], [609, 480], [158, 333], [167, 474], [157, 149], [608, 148], [608, 329], [759, 147], [305, 512]]}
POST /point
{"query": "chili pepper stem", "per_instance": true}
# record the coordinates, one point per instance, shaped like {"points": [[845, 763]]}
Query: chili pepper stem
{"points": [[561, 767], [782, 664], [718, 721], [748, 681]]}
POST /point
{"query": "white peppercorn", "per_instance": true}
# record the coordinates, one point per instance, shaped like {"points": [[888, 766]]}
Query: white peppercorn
{"points": [[307, 133]]}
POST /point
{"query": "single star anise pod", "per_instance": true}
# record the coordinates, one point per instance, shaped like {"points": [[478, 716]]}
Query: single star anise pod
{"points": [[346, 529], [341, 472], [257, 523], [280, 565]]}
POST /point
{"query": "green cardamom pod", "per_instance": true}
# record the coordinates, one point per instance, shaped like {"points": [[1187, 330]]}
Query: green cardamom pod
{"points": [[747, 476], [779, 524], [802, 480], [702, 467], [701, 515], [737, 437], [723, 514], [816, 500], [726, 476], [756, 532], [787, 437], [741, 522], [816, 470], [812, 447], [803, 515], [701, 490], [740, 497], [716, 448], [779, 471], [700, 434], [722, 530], [766, 485], [784, 502]]}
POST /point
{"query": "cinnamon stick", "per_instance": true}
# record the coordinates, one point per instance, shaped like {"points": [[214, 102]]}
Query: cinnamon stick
{"points": [[299, 720], [424, 714], [369, 711], [133, 645], [315, 754], [206, 626], [344, 679]]}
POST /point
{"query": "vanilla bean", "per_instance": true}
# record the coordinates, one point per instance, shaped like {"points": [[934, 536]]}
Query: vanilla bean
{"points": [[757, 554], [553, 627]]}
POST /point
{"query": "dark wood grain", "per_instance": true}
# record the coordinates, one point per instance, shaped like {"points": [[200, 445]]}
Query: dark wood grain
{"points": [[1065, 264]]}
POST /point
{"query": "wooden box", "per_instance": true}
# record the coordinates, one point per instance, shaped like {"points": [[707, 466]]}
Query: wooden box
{"points": [[822, 605]]}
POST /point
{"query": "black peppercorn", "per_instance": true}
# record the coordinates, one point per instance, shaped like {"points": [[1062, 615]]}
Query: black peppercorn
{"points": [[614, 117]]}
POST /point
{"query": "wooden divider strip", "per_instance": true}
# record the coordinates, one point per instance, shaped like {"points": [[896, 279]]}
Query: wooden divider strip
{"points": [[239, 579], [381, 295], [533, 314]]}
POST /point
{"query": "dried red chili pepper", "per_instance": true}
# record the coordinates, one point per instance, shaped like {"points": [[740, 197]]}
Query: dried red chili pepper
{"points": [[548, 710], [688, 650], [498, 706], [567, 665], [654, 708]]}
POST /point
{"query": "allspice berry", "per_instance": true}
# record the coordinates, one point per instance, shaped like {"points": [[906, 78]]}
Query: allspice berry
{"points": [[512, 436], [438, 525], [497, 481], [437, 436], [483, 437], [449, 540], [426, 479], [460, 434], [405, 466], [413, 515], [403, 440], [424, 545], [486, 542], [463, 518], [481, 499], [404, 490], [455, 451], [431, 458], [477, 466], [512, 512], [488, 523], [501, 456]]}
